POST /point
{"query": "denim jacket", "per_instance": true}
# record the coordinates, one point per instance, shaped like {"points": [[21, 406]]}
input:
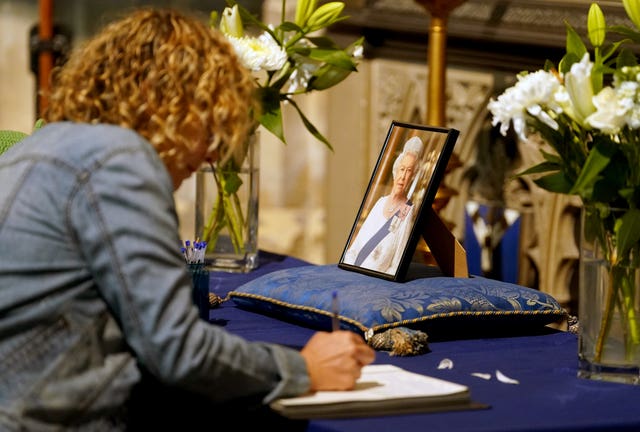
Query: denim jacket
{"points": [[93, 284]]}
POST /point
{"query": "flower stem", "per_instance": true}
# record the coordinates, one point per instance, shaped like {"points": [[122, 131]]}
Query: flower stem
{"points": [[235, 219], [632, 332], [227, 212], [605, 324], [621, 293]]}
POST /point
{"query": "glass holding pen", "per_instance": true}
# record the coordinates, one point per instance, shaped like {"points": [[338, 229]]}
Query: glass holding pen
{"points": [[194, 257]]}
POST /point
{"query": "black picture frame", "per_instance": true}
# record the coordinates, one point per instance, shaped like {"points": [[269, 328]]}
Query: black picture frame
{"points": [[387, 229]]}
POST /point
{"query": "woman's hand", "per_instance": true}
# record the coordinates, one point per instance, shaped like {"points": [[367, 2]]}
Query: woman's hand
{"points": [[334, 360]]}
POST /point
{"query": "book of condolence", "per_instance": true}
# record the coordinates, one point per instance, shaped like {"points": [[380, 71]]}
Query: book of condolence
{"points": [[383, 390]]}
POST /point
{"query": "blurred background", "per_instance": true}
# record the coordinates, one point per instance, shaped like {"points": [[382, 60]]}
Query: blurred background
{"points": [[310, 195]]}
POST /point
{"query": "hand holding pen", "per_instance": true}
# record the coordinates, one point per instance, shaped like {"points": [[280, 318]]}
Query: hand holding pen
{"points": [[335, 359]]}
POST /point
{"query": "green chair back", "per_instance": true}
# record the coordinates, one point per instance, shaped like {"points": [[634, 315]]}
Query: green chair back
{"points": [[8, 138]]}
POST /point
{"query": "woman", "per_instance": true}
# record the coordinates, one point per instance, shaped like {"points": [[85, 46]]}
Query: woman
{"points": [[383, 236], [96, 317]]}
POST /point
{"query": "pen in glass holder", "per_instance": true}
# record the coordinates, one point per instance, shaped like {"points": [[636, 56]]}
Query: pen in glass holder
{"points": [[335, 309], [194, 257], [194, 252]]}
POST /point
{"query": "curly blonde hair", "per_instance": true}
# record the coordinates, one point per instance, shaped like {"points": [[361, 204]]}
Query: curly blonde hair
{"points": [[166, 75]]}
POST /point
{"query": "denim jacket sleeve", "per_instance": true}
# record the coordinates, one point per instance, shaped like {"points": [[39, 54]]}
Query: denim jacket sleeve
{"points": [[124, 220]]}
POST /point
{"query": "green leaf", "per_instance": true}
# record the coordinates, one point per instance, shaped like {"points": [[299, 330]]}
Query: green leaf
{"points": [[574, 43], [553, 137], [301, 50], [334, 57], [627, 193], [597, 160], [39, 123], [327, 76], [549, 66], [322, 42], [628, 231], [283, 77], [552, 158], [540, 168], [310, 127], [567, 61], [272, 121], [231, 180], [271, 116], [626, 32], [288, 26], [556, 182], [626, 58]]}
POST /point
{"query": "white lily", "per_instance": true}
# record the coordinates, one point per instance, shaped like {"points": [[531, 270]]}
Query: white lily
{"points": [[577, 82], [612, 108], [231, 23]]}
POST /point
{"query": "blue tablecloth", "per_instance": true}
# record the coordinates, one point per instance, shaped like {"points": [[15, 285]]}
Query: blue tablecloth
{"points": [[549, 396]]}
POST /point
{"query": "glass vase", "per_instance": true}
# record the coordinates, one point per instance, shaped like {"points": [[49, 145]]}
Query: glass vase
{"points": [[226, 214], [609, 299]]}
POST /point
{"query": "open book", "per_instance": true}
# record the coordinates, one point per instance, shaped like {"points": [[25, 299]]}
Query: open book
{"points": [[381, 390]]}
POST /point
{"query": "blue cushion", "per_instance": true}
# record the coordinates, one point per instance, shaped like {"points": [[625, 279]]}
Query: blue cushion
{"points": [[443, 307]]}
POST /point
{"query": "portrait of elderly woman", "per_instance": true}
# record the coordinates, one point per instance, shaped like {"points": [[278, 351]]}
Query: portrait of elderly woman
{"points": [[382, 238], [405, 179]]}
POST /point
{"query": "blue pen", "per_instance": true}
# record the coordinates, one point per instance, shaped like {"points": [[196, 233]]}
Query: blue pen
{"points": [[335, 309]]}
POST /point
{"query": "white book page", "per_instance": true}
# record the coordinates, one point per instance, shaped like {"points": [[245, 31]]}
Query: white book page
{"points": [[382, 382]]}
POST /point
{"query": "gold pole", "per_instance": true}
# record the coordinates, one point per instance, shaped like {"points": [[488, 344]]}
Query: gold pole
{"points": [[436, 60], [436, 116], [437, 57], [437, 79]]}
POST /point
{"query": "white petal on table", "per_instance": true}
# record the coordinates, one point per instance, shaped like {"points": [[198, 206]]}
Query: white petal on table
{"points": [[484, 376], [505, 379], [445, 364]]}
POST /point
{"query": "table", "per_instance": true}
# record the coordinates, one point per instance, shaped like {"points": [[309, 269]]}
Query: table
{"points": [[549, 396]]}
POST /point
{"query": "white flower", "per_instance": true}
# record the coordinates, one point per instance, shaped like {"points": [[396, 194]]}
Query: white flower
{"points": [[578, 85], [301, 76], [534, 93], [633, 116], [629, 98], [610, 115], [262, 53]]}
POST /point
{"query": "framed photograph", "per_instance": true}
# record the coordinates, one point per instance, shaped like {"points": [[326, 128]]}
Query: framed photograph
{"points": [[404, 183]]}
